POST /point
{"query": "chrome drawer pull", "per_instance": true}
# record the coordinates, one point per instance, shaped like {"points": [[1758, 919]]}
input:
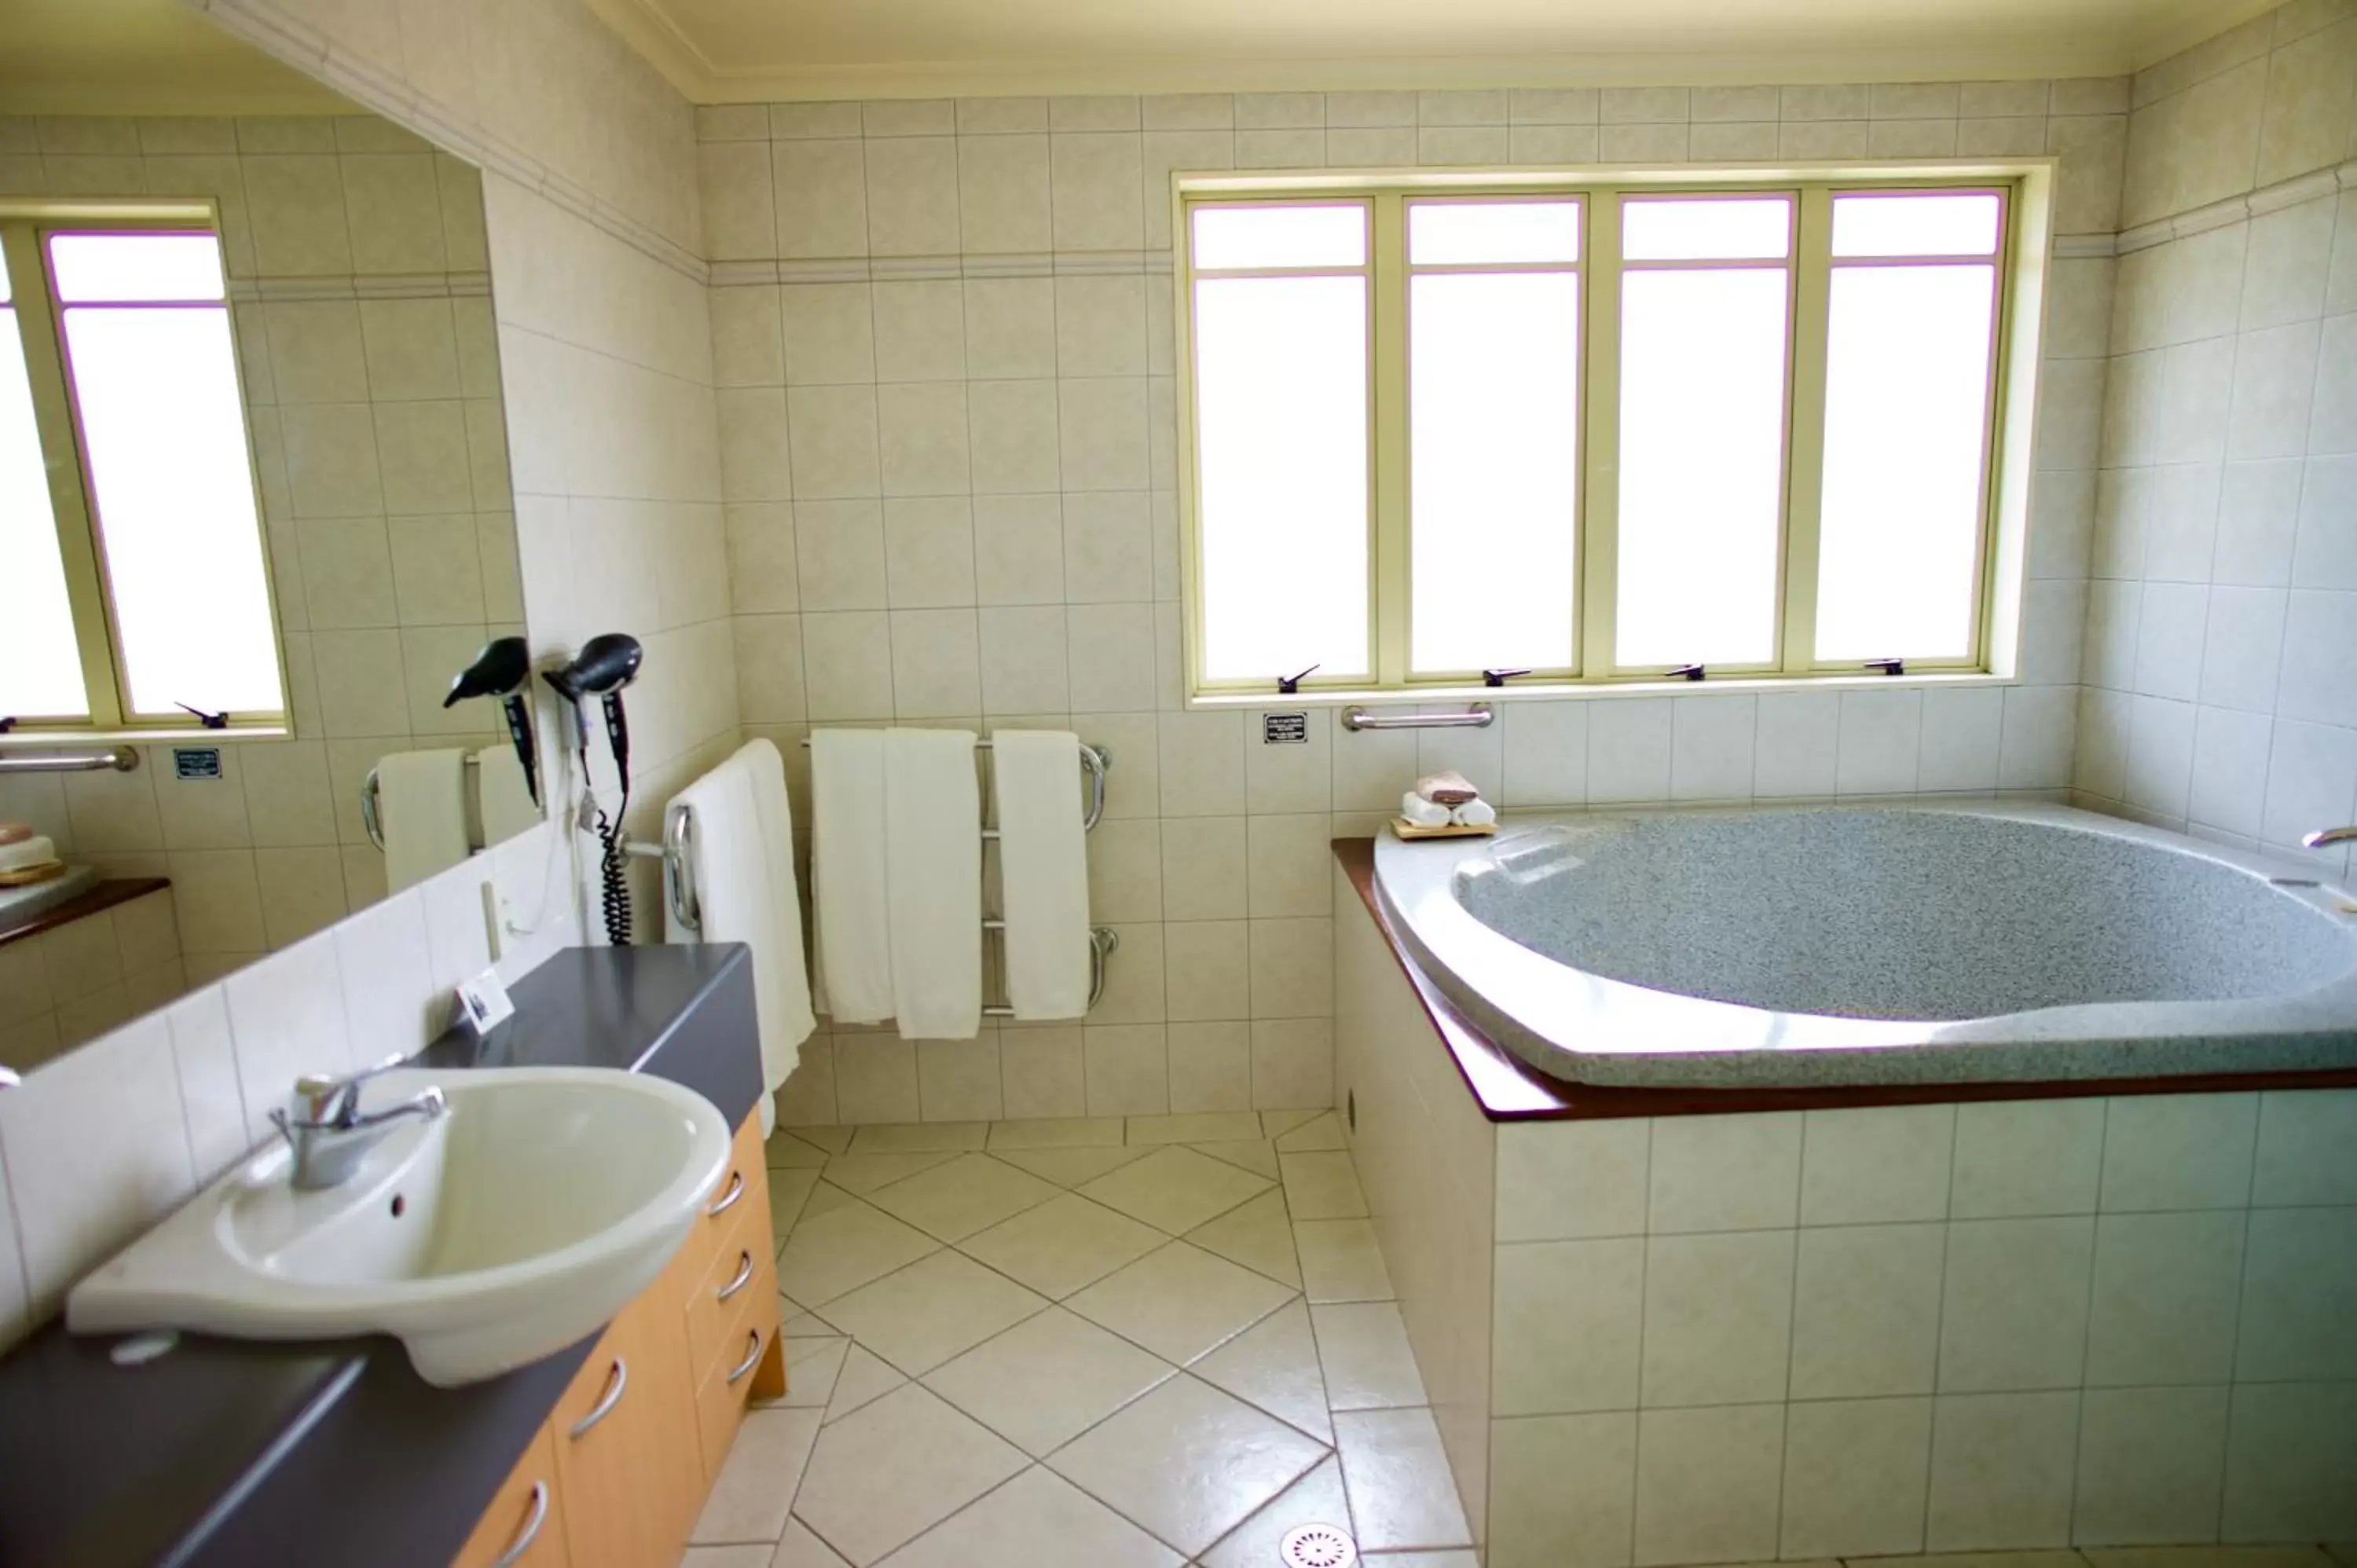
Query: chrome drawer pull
{"points": [[620, 1380], [727, 1201], [523, 1543], [751, 1357], [744, 1277]]}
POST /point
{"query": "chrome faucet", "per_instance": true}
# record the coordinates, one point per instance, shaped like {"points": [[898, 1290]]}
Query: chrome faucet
{"points": [[2323, 836], [326, 1130]]}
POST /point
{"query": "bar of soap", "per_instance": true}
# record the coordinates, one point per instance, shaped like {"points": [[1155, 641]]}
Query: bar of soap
{"points": [[1449, 789], [26, 854]]}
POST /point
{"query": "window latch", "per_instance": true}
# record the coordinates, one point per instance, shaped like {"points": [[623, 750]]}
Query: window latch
{"points": [[1888, 666], [210, 721], [7, 723], [1686, 673], [1287, 685], [1499, 676]]}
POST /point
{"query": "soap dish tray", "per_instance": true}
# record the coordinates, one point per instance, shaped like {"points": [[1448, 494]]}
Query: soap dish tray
{"points": [[1403, 828]]}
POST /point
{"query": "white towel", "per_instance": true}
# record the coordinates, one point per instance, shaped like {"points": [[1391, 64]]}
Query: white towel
{"points": [[1424, 813], [854, 939], [505, 807], [932, 854], [1474, 813], [420, 804], [27, 852], [743, 852], [1043, 869]]}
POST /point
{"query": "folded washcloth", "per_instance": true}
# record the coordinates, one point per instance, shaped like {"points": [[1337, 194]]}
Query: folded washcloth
{"points": [[1424, 813], [1449, 789], [1474, 813], [27, 852], [14, 832]]}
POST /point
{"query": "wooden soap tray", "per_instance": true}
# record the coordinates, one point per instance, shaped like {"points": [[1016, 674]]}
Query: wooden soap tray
{"points": [[1404, 829]]}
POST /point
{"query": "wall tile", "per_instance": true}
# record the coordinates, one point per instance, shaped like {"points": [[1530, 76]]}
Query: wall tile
{"points": [[1724, 1173], [1718, 1313], [2002, 1467], [2163, 1306], [2176, 1151], [1855, 1472], [2015, 1312], [1865, 1312], [2151, 1466], [1562, 1479], [1708, 1484]]}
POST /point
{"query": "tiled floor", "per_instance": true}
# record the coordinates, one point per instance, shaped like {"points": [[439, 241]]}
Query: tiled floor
{"points": [[1081, 1343]]}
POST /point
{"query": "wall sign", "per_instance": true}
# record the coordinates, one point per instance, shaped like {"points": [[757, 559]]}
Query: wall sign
{"points": [[1284, 729], [196, 762]]}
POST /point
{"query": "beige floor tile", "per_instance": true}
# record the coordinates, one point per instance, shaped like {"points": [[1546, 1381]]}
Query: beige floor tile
{"points": [[1316, 1499], [1258, 1235], [953, 1201], [786, 1152], [1064, 1244], [909, 1137], [1187, 1462], [1321, 1132], [756, 1483], [1056, 1133], [1180, 1302], [833, 1139], [2206, 1557], [1047, 1380], [1340, 1261], [1072, 1167], [1322, 1187], [1276, 1123], [1175, 1190], [1362, 1349], [755, 1556], [800, 1549], [790, 1189], [865, 1379], [844, 1248], [1273, 1364], [1036, 1520], [2003, 1560], [1402, 1494], [811, 1367], [1259, 1158], [824, 1199], [932, 1310], [863, 1172], [802, 1323], [1465, 1559], [885, 1475], [1195, 1127]]}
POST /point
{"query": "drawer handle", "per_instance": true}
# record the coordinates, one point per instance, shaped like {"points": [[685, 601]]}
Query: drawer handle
{"points": [[751, 1355], [530, 1532], [727, 1201], [616, 1382], [744, 1277]]}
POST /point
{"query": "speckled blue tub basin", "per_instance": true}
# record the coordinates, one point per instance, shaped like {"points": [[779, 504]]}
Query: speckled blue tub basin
{"points": [[1927, 945]]}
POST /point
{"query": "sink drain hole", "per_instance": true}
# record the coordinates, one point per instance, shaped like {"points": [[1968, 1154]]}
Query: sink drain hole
{"points": [[1318, 1546]]}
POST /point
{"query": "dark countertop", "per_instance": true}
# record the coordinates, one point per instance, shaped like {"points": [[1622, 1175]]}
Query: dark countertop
{"points": [[229, 1453], [104, 893], [1508, 1089]]}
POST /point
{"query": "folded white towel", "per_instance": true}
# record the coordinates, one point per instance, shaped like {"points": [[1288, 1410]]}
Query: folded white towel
{"points": [[26, 854], [855, 939], [1043, 871], [1474, 813], [506, 807], [1424, 813], [743, 853], [932, 865], [420, 804]]}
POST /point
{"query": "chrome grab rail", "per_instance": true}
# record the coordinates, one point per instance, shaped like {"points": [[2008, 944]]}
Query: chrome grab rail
{"points": [[1480, 716], [121, 758], [677, 853]]}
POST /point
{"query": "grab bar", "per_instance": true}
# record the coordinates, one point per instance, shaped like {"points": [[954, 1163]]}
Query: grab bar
{"points": [[1479, 716], [121, 758], [677, 853]]}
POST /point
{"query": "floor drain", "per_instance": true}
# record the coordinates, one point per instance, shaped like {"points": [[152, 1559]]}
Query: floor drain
{"points": [[1316, 1546]]}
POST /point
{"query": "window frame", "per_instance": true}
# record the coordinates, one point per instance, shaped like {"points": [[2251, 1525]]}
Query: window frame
{"points": [[2022, 261], [26, 227]]}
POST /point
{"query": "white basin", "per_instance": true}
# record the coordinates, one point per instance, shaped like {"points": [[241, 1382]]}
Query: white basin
{"points": [[510, 1228]]}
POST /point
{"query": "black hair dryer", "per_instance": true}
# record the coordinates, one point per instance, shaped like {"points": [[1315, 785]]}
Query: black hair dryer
{"points": [[503, 670], [607, 663]]}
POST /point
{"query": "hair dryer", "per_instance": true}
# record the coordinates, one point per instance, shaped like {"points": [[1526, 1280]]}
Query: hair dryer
{"points": [[502, 670], [607, 663]]}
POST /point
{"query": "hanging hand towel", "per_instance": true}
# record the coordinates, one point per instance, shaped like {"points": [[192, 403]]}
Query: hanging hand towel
{"points": [[505, 806], [420, 805], [855, 939], [932, 855], [1043, 868]]}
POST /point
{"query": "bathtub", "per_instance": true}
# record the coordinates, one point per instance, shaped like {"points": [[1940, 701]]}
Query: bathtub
{"points": [[1919, 945]]}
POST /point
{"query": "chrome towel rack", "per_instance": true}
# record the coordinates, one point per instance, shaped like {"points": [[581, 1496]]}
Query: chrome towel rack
{"points": [[373, 820]]}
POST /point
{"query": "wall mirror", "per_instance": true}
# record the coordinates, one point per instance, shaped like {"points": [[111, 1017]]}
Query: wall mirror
{"points": [[254, 516]]}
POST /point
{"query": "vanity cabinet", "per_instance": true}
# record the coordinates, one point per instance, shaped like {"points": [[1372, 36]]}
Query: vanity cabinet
{"points": [[619, 1473]]}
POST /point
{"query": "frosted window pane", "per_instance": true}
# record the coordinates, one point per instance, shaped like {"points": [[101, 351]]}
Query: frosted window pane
{"points": [[1962, 224], [1328, 236], [1702, 447], [1707, 230], [41, 667], [1906, 404], [1281, 431], [1440, 233], [122, 268], [166, 443], [1493, 385]]}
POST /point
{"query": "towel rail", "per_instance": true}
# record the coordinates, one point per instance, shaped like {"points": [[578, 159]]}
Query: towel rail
{"points": [[1102, 941], [1097, 759], [372, 809]]}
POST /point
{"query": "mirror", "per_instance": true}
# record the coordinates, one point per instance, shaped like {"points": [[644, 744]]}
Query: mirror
{"points": [[353, 279]]}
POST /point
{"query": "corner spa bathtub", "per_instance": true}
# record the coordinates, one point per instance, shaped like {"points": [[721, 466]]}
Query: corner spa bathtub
{"points": [[1885, 946]]}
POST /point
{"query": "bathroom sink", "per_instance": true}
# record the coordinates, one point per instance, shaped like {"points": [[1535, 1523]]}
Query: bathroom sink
{"points": [[483, 1239]]}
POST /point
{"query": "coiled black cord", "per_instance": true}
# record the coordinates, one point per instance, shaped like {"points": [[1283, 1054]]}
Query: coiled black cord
{"points": [[612, 874]]}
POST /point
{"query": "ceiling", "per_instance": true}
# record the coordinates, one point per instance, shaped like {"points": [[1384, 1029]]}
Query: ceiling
{"points": [[746, 51], [148, 57]]}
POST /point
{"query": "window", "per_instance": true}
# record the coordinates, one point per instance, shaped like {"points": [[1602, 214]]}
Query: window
{"points": [[137, 598], [1602, 432]]}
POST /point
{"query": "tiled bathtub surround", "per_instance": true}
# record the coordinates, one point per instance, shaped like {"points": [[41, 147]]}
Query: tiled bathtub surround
{"points": [[1988, 1327]]}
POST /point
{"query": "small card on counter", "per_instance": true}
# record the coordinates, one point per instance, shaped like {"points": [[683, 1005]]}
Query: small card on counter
{"points": [[483, 1004]]}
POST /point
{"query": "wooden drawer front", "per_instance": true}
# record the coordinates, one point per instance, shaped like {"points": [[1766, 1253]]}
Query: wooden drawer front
{"points": [[523, 1528], [742, 1187], [626, 1464], [720, 1401], [739, 1274]]}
